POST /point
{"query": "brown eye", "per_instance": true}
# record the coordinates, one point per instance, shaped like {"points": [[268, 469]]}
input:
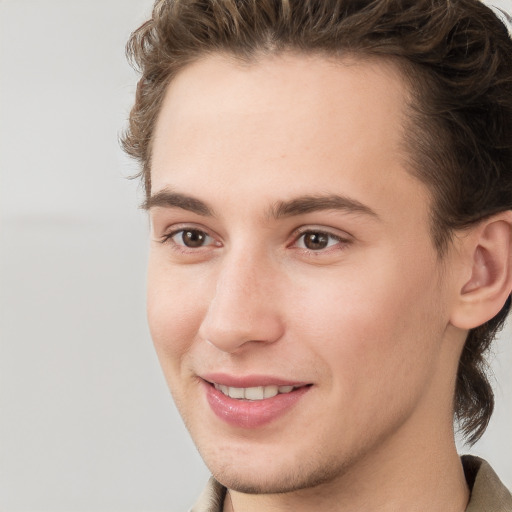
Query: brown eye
{"points": [[192, 238], [317, 240]]}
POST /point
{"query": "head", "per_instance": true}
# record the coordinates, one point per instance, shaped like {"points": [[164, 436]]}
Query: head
{"points": [[452, 63]]}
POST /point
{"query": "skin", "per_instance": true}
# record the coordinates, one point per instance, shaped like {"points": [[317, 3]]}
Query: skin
{"points": [[366, 320]]}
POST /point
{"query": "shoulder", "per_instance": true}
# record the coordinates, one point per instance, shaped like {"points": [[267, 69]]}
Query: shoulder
{"points": [[211, 499], [488, 494]]}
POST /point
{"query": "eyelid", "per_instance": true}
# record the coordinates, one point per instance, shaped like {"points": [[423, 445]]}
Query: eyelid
{"points": [[335, 233], [208, 239], [343, 238], [173, 230]]}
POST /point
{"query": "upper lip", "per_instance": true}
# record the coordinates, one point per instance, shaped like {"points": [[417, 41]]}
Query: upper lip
{"points": [[249, 381]]}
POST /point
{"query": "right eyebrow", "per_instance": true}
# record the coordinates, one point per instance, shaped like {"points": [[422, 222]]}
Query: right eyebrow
{"points": [[170, 199], [308, 204]]}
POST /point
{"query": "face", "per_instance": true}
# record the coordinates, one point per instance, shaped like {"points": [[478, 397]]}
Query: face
{"points": [[295, 296]]}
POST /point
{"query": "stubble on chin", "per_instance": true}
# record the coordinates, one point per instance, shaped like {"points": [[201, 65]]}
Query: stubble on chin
{"points": [[298, 475]]}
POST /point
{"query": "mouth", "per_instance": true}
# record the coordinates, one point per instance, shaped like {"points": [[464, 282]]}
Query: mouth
{"points": [[252, 402], [255, 393]]}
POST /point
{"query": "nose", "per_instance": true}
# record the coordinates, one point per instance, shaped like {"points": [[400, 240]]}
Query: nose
{"points": [[245, 305]]}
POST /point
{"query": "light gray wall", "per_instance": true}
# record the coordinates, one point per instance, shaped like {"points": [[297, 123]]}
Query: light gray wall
{"points": [[86, 421]]}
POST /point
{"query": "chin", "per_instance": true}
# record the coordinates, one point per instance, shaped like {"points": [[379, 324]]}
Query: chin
{"points": [[285, 484], [291, 473]]}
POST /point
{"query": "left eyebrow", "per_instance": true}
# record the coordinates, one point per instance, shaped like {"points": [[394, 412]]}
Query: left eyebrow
{"points": [[309, 204], [170, 199]]}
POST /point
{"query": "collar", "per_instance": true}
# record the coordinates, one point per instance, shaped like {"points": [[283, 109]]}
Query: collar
{"points": [[488, 494]]}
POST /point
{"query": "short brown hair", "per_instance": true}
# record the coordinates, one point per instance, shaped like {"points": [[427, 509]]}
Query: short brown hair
{"points": [[457, 57]]}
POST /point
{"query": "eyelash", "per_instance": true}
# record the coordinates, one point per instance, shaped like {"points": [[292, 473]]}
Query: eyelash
{"points": [[298, 235], [301, 233], [168, 239]]}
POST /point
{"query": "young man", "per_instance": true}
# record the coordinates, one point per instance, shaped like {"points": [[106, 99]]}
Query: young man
{"points": [[329, 184]]}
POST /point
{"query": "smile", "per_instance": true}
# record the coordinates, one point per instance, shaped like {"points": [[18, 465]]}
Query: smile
{"points": [[241, 403], [254, 393]]}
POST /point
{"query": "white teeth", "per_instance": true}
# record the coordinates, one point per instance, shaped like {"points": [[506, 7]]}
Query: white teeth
{"points": [[255, 393], [236, 392], [270, 391]]}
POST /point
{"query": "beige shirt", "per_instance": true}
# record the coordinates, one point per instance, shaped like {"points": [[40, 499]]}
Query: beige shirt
{"points": [[488, 494]]}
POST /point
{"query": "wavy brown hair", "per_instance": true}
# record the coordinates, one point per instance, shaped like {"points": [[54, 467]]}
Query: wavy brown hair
{"points": [[457, 58]]}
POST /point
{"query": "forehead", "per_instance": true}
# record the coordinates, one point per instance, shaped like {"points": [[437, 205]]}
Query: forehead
{"points": [[324, 92], [318, 78], [300, 118]]}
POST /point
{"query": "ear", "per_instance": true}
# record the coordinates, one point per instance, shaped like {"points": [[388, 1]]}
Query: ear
{"points": [[486, 280]]}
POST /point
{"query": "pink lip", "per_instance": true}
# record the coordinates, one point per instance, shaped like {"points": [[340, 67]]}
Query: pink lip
{"points": [[251, 414]]}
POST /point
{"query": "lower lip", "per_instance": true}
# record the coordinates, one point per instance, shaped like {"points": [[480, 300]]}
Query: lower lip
{"points": [[251, 414]]}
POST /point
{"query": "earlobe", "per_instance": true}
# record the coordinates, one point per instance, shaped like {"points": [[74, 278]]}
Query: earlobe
{"points": [[488, 253]]}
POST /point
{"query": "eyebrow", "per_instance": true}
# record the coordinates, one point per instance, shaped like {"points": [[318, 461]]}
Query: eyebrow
{"points": [[298, 206], [308, 204], [170, 199]]}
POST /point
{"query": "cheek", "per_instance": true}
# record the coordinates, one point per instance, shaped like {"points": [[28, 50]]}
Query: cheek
{"points": [[373, 332], [174, 310]]}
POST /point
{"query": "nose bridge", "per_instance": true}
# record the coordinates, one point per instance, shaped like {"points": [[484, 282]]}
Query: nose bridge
{"points": [[243, 306]]}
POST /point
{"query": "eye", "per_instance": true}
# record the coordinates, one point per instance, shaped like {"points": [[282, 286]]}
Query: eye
{"points": [[317, 240], [191, 238]]}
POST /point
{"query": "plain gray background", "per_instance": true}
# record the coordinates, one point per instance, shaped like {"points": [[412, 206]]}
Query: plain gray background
{"points": [[86, 421]]}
